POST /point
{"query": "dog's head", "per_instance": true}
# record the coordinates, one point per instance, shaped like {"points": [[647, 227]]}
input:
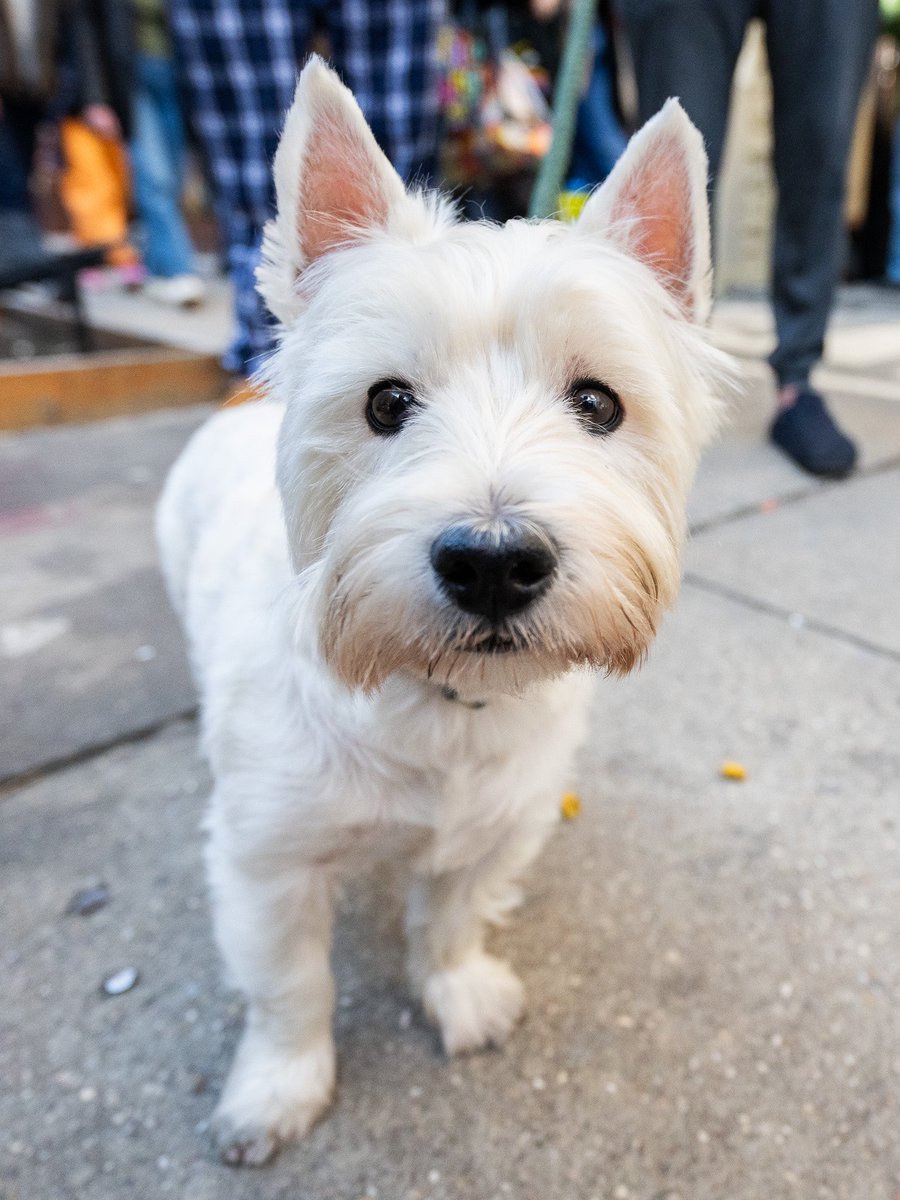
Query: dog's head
{"points": [[490, 431]]}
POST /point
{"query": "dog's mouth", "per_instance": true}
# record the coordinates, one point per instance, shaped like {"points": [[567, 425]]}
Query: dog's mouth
{"points": [[493, 643]]}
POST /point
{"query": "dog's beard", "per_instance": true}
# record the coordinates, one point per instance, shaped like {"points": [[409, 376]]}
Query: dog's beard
{"points": [[371, 633]]}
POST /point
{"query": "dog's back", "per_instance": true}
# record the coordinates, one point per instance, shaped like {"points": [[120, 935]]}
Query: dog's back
{"points": [[232, 455], [211, 502]]}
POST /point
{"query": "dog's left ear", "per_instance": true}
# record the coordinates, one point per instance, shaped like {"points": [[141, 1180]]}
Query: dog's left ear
{"points": [[333, 183], [654, 204]]}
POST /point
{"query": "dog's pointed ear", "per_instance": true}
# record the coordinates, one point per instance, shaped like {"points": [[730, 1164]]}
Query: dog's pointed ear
{"points": [[654, 204], [333, 183]]}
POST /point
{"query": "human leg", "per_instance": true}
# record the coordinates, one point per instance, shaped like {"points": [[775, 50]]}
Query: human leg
{"points": [[18, 124], [688, 49], [20, 237], [599, 137], [157, 159], [237, 64], [892, 268], [386, 50], [816, 83]]}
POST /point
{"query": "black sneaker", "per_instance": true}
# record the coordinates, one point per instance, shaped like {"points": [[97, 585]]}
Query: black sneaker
{"points": [[806, 432]]}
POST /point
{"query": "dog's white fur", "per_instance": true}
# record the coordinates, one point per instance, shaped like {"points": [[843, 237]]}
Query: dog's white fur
{"points": [[322, 642]]}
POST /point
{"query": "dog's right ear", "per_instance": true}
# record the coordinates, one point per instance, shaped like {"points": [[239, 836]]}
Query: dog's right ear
{"points": [[333, 183], [654, 205]]}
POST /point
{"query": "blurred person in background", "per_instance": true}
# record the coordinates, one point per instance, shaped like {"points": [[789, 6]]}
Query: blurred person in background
{"points": [[239, 61], [158, 162], [599, 137], [95, 82], [890, 14], [819, 55], [28, 30], [119, 92]]}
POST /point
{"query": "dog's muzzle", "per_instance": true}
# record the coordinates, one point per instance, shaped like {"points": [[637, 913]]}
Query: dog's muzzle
{"points": [[494, 573]]}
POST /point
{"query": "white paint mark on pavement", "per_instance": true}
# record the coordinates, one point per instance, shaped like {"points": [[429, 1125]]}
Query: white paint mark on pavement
{"points": [[25, 637]]}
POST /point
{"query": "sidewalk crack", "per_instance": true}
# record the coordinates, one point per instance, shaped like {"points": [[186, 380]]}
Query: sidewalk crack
{"points": [[784, 614], [12, 783], [815, 489]]}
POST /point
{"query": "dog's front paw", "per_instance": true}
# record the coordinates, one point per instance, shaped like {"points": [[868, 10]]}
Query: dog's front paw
{"points": [[269, 1100], [475, 1004]]}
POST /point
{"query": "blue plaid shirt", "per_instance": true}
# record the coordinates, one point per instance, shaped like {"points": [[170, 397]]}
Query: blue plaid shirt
{"points": [[239, 61]]}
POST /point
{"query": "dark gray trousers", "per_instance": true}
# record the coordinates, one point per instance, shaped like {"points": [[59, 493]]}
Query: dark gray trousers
{"points": [[819, 55]]}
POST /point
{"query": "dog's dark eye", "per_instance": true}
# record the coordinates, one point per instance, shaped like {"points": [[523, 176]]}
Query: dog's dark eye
{"points": [[388, 406], [597, 405]]}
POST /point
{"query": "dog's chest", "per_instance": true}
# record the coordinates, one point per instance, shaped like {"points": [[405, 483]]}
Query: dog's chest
{"points": [[357, 845], [446, 782]]}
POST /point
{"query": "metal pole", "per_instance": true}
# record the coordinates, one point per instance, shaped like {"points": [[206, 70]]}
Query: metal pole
{"points": [[566, 95]]}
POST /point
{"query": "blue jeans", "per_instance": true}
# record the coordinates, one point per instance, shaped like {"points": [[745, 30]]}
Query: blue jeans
{"points": [[892, 268], [599, 139], [157, 155]]}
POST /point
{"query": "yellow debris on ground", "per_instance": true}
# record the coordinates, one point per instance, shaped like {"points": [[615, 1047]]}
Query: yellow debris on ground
{"points": [[570, 806], [733, 770]]}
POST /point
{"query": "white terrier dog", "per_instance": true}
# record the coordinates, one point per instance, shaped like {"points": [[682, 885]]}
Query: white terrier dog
{"points": [[469, 488]]}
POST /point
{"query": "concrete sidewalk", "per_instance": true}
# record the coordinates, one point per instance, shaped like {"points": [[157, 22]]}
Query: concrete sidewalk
{"points": [[713, 967]]}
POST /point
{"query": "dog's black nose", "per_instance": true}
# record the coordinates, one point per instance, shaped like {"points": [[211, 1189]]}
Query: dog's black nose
{"points": [[494, 575]]}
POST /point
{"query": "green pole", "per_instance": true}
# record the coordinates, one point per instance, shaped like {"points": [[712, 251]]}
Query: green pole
{"points": [[566, 94]]}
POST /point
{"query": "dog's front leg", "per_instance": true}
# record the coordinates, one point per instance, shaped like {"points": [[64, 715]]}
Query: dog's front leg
{"points": [[473, 997], [274, 927]]}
